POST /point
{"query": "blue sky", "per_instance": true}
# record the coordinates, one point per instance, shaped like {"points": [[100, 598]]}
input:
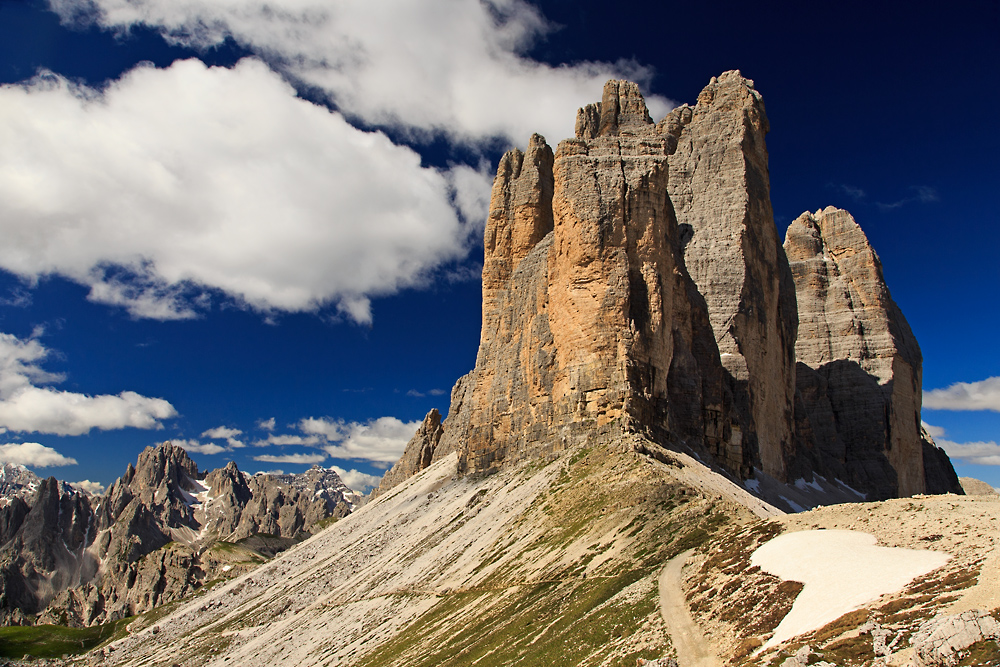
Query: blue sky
{"points": [[256, 227]]}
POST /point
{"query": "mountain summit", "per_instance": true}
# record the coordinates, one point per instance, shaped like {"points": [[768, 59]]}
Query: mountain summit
{"points": [[649, 360], [634, 282]]}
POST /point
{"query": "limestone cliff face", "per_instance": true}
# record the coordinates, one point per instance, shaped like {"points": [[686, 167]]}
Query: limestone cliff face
{"points": [[859, 362], [590, 320], [418, 456], [720, 188], [633, 280]]}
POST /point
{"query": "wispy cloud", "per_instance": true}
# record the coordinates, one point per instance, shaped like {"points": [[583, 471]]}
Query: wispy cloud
{"points": [[922, 194], [34, 455], [964, 396], [266, 424], [288, 439], [19, 297], [359, 481], [27, 406], [459, 72], [855, 193], [429, 392], [307, 459], [201, 448], [978, 453]]}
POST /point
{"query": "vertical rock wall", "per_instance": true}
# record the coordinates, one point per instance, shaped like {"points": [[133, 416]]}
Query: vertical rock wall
{"points": [[859, 362], [720, 188], [634, 280], [590, 320]]}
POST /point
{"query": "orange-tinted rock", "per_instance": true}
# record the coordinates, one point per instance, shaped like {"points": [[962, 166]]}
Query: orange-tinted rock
{"points": [[597, 325]]}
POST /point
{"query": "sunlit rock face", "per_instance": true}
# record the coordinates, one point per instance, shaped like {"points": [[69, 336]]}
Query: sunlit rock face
{"points": [[720, 188], [634, 281], [859, 371], [591, 322]]}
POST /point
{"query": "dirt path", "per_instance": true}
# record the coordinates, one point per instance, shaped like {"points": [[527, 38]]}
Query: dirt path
{"points": [[692, 648]]}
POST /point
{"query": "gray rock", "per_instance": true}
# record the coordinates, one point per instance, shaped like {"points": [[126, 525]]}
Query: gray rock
{"points": [[418, 455], [859, 366], [720, 189], [938, 641], [149, 539], [976, 487], [633, 280]]}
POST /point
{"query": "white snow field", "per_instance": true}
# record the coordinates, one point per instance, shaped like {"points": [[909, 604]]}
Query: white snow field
{"points": [[841, 570]]}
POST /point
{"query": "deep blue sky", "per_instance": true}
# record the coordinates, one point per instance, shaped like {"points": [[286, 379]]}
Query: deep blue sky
{"points": [[888, 111]]}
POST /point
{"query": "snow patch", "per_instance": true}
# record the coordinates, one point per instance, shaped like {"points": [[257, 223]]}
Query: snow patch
{"points": [[802, 484], [852, 490], [841, 570], [792, 504]]}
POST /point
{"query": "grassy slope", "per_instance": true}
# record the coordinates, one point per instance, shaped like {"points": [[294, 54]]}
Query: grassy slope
{"points": [[606, 526], [52, 641]]}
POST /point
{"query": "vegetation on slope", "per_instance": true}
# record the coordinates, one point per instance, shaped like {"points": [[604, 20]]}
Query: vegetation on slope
{"points": [[52, 641], [583, 590]]}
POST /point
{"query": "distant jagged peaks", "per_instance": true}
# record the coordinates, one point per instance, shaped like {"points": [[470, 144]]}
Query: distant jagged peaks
{"points": [[149, 539], [633, 280]]}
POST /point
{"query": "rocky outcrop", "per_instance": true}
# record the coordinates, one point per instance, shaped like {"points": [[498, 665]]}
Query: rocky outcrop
{"points": [[720, 189], [160, 532], [418, 454], [859, 365], [590, 320], [16, 481], [976, 487], [633, 280], [939, 641], [44, 549]]}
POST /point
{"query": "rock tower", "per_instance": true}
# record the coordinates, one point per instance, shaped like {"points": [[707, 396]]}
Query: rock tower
{"points": [[634, 281]]}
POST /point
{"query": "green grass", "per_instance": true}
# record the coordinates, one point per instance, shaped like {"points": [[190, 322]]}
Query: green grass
{"points": [[52, 641], [324, 523], [545, 623]]}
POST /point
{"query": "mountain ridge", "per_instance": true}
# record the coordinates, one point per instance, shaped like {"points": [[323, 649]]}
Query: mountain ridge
{"points": [[634, 281], [151, 538]]}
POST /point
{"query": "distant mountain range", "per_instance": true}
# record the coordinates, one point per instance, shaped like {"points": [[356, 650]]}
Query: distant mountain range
{"points": [[161, 531]]}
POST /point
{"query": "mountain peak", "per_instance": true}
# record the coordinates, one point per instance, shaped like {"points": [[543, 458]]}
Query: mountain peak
{"points": [[634, 281]]}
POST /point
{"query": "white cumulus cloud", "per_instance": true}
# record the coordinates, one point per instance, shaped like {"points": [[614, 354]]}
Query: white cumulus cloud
{"points": [[171, 186], [359, 481], [26, 406], [34, 455], [456, 67], [93, 488], [201, 448], [978, 453], [982, 395], [380, 440], [227, 434], [291, 458]]}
